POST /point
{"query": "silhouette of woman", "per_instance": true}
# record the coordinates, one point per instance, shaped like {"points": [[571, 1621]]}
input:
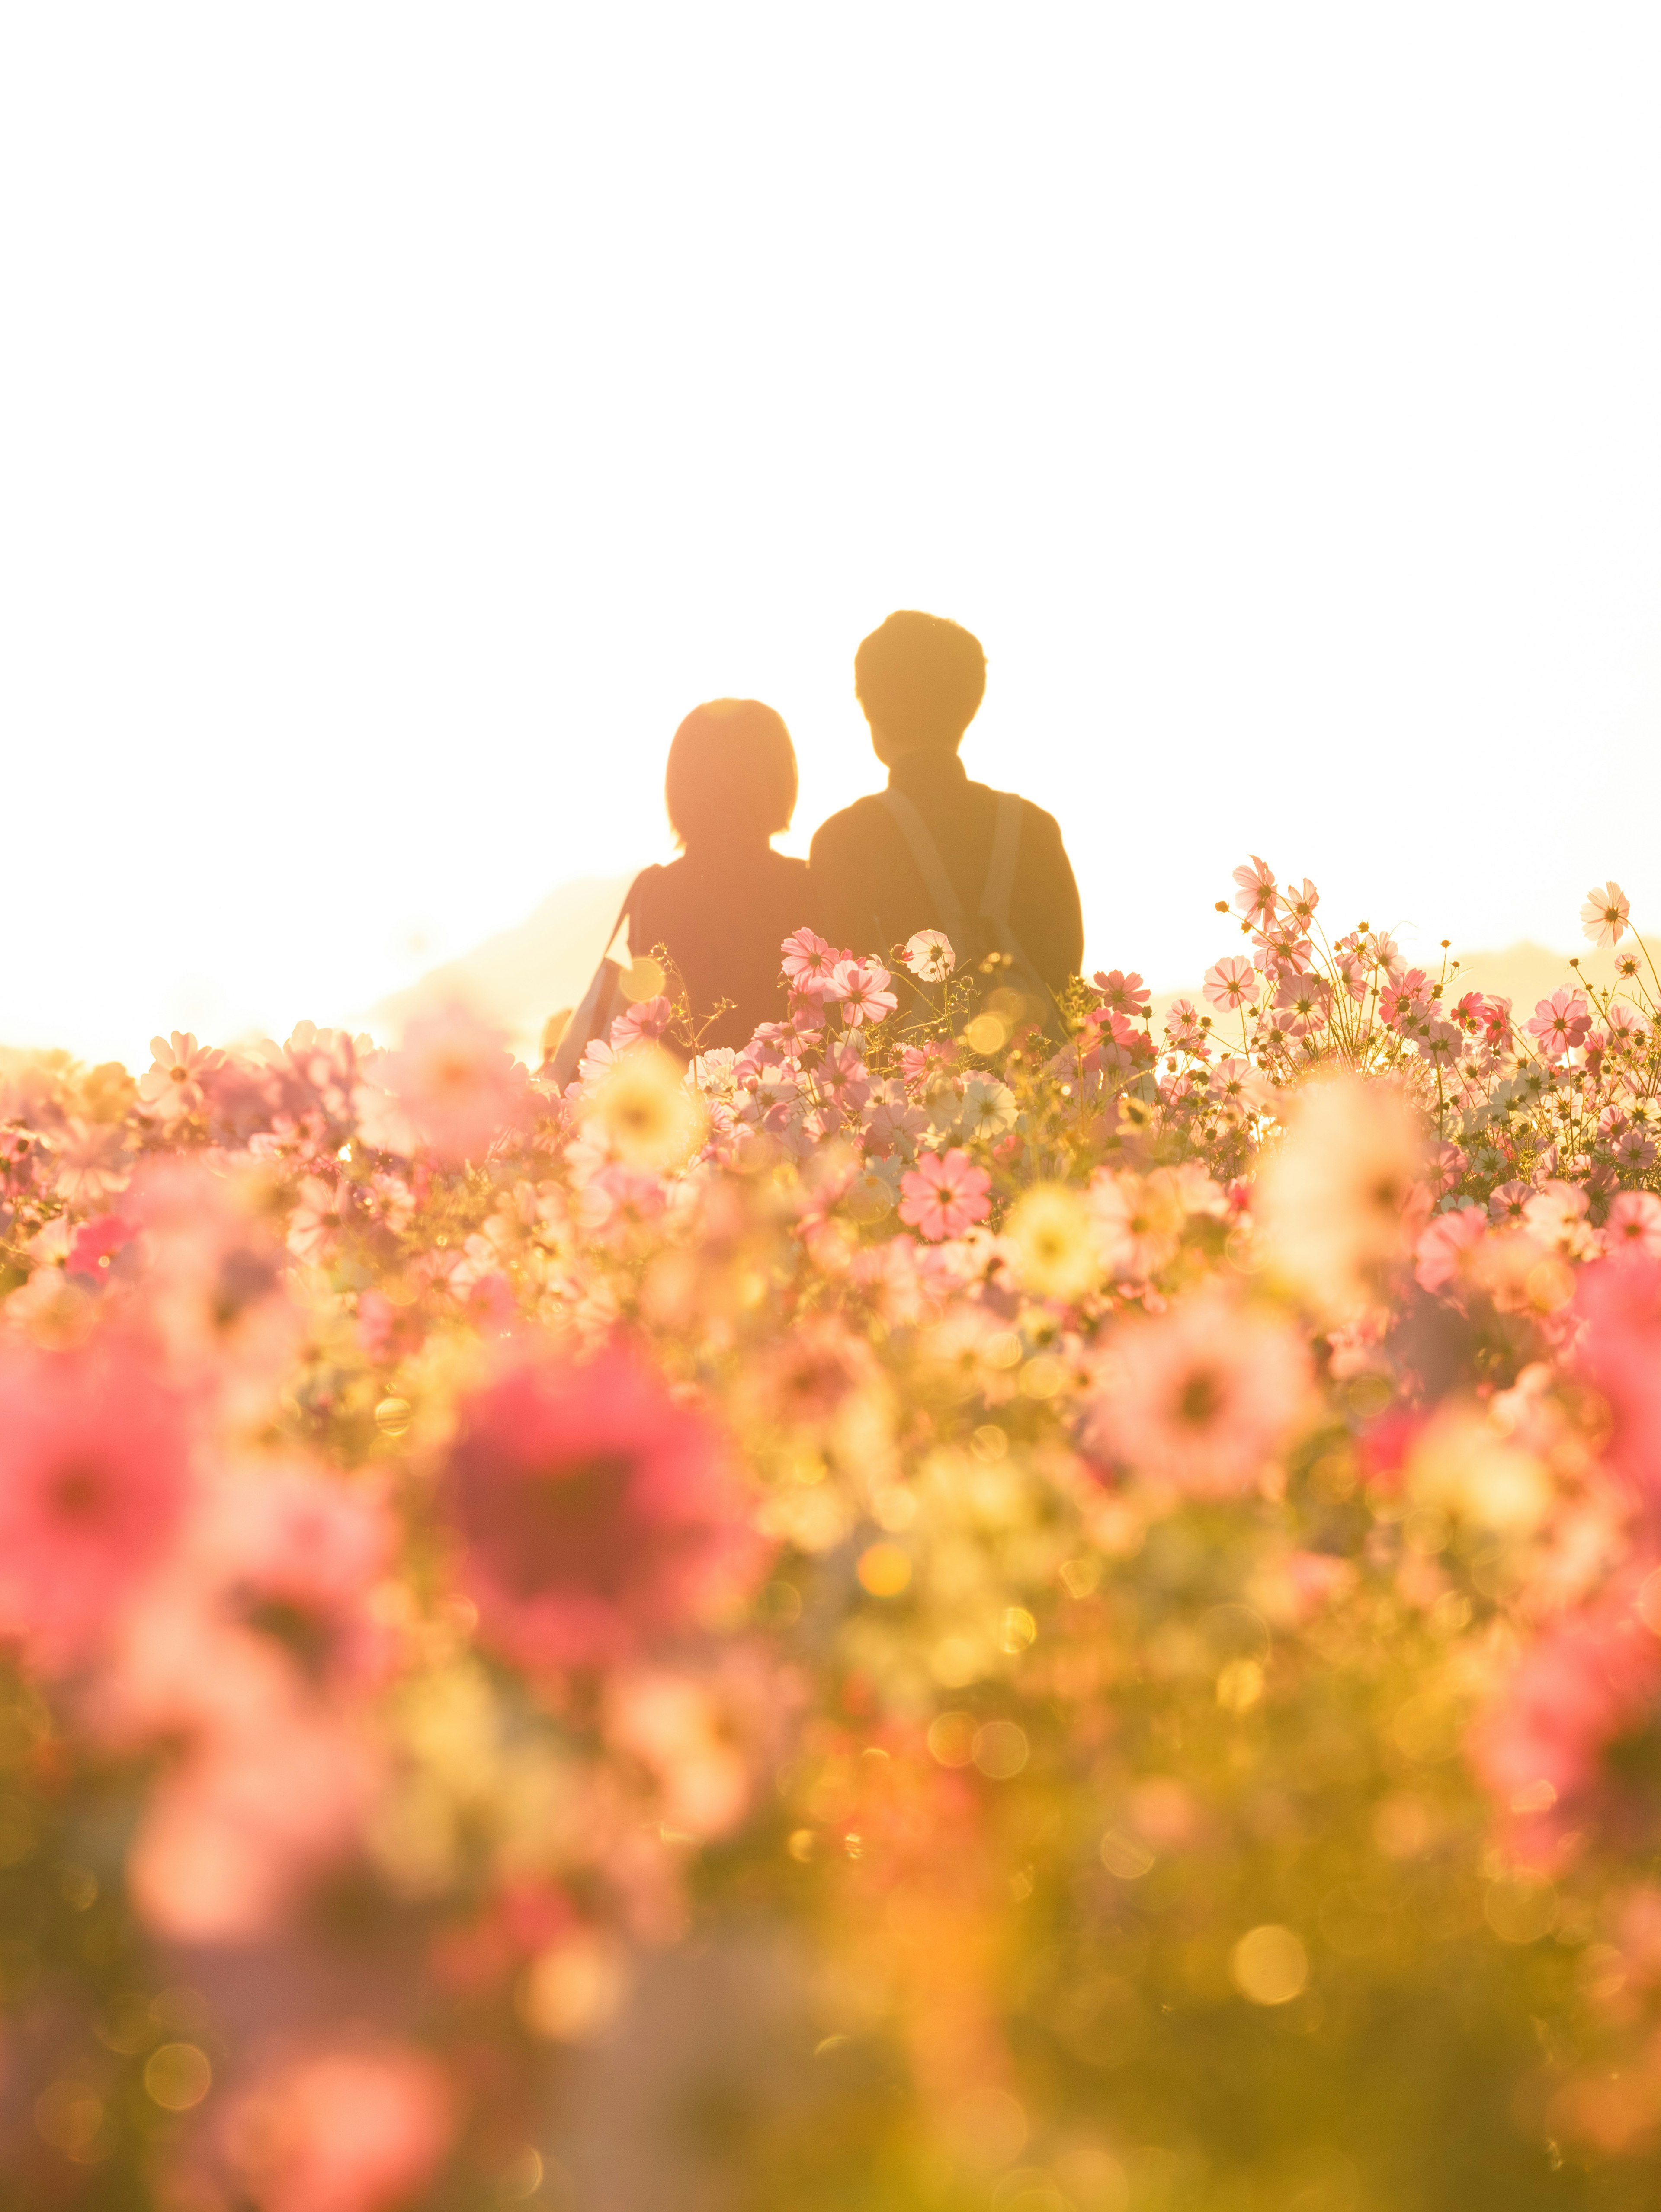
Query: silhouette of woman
{"points": [[723, 909]]}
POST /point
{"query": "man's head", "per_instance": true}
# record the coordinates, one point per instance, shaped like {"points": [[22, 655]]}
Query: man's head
{"points": [[921, 680]]}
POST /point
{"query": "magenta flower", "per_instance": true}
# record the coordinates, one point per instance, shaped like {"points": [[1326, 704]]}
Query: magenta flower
{"points": [[945, 1195], [94, 1479], [597, 1516]]}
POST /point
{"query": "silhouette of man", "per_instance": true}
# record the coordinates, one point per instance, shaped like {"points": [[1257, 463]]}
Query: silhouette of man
{"points": [[934, 849]]}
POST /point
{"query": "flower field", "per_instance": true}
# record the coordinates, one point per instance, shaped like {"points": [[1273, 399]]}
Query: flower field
{"points": [[912, 1619]]}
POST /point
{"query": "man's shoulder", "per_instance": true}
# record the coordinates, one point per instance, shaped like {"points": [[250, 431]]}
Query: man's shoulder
{"points": [[1033, 815], [849, 821]]}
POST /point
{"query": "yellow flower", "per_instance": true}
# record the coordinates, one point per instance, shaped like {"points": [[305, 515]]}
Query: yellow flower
{"points": [[645, 1113], [1054, 1249]]}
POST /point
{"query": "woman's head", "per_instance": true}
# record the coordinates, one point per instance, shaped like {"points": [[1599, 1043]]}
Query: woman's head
{"points": [[732, 774]]}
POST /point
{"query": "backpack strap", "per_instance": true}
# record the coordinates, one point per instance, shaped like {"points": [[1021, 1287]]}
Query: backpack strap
{"points": [[1001, 870], [927, 854]]}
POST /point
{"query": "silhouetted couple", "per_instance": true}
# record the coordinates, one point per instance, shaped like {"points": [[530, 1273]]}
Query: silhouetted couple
{"points": [[934, 851]]}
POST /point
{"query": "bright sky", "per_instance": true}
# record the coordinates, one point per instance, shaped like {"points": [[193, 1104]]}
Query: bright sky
{"points": [[408, 413]]}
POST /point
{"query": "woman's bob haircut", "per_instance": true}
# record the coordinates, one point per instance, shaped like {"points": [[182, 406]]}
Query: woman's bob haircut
{"points": [[732, 774]]}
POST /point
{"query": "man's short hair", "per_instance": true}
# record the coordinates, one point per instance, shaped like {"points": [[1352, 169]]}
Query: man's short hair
{"points": [[732, 774], [920, 678]]}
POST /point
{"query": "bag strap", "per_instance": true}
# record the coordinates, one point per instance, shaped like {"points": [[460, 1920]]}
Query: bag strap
{"points": [[927, 854], [1001, 870]]}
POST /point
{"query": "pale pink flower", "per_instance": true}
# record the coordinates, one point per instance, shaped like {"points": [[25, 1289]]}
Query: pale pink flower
{"points": [[1122, 993], [860, 986], [1281, 946], [1444, 1243], [679, 1729], [172, 1083], [1231, 983], [1606, 915], [1298, 902], [929, 955], [1560, 1023], [241, 1827], [1202, 1395], [843, 1075], [1557, 1214], [1138, 1221], [95, 1482], [91, 1160], [1507, 1200], [1635, 1224], [1303, 1000], [891, 1120], [1256, 895], [1634, 1150], [597, 1516], [455, 1083], [945, 1195], [315, 1224], [809, 960], [361, 2127], [649, 1018]]}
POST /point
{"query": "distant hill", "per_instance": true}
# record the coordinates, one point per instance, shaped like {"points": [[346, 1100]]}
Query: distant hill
{"points": [[521, 976]]}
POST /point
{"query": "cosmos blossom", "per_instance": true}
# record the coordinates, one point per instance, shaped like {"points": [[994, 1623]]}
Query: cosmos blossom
{"points": [[95, 1483], [929, 955], [1201, 1396], [1607, 915], [945, 1195], [597, 1518], [860, 986], [1231, 983]]}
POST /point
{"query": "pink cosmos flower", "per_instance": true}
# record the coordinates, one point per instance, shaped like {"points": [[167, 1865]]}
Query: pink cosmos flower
{"points": [[1619, 1353], [1201, 1396], [1231, 983], [95, 1479], [1122, 993], [1507, 1200], [362, 2128], [945, 1195], [1138, 1220], [1634, 1150], [1607, 915], [457, 1087], [1634, 1228], [1581, 1685], [598, 1517], [240, 1828], [1444, 1244], [96, 1246], [861, 988], [808, 960], [1282, 945], [1404, 998], [842, 1074], [1304, 999], [1298, 902], [1560, 1023], [929, 955], [1256, 895], [649, 1018], [1182, 1027]]}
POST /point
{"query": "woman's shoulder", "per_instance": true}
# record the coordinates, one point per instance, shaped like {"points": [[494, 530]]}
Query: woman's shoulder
{"points": [[784, 866]]}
